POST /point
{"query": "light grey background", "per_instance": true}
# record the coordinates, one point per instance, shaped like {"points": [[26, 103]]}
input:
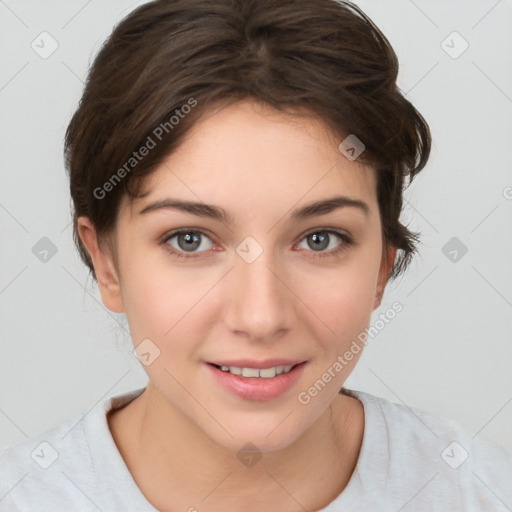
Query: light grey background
{"points": [[449, 351]]}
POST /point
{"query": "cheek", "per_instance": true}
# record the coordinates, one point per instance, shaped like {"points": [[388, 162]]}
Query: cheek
{"points": [[342, 299], [167, 306], [155, 306]]}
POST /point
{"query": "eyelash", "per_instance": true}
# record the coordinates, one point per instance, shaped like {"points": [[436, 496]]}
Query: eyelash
{"points": [[346, 239]]}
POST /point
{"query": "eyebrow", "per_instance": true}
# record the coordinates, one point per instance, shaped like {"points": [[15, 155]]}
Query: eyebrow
{"points": [[215, 212]]}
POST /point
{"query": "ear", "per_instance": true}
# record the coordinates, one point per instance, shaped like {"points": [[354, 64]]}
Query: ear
{"points": [[388, 258], [104, 268]]}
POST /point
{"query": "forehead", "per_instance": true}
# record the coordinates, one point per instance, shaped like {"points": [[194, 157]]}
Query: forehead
{"points": [[250, 154]]}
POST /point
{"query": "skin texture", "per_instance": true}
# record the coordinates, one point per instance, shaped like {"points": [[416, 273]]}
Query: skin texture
{"points": [[180, 438]]}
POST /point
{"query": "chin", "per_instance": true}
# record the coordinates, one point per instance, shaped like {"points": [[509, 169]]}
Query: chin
{"points": [[274, 433]]}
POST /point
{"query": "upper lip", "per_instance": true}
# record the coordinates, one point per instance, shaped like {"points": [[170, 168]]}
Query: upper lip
{"points": [[251, 363]]}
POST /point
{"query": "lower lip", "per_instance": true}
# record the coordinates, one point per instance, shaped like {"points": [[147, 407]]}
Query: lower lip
{"points": [[257, 388]]}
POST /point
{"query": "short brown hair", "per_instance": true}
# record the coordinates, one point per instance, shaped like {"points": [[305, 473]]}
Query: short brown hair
{"points": [[323, 57]]}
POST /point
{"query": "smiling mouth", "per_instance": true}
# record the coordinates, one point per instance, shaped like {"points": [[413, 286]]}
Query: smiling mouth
{"points": [[257, 384], [263, 373]]}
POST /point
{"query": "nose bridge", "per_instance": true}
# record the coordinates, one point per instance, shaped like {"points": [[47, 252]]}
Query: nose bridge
{"points": [[260, 304]]}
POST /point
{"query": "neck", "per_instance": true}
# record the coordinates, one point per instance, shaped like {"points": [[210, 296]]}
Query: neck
{"points": [[177, 466]]}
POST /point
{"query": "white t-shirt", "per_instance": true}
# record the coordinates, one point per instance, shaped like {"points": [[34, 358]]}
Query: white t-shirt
{"points": [[409, 460]]}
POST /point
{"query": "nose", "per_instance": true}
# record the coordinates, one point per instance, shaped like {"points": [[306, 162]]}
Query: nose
{"points": [[258, 301]]}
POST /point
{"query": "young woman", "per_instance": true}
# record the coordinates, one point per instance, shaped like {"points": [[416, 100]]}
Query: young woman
{"points": [[236, 169]]}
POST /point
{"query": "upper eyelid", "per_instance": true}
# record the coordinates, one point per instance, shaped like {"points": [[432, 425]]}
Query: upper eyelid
{"points": [[177, 231], [337, 231]]}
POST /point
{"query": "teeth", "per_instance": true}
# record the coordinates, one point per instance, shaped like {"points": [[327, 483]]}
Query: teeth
{"points": [[265, 373], [250, 372]]}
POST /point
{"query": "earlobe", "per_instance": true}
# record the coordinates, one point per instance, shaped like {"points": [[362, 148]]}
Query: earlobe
{"points": [[104, 268], [384, 272]]}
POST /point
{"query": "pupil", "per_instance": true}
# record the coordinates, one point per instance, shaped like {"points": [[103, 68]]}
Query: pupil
{"points": [[190, 241], [322, 238]]}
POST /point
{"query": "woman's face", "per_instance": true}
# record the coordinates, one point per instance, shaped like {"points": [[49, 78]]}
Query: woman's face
{"points": [[260, 284]]}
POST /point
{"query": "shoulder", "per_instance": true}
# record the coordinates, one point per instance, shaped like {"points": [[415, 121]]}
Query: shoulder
{"points": [[434, 456], [73, 466], [35, 470]]}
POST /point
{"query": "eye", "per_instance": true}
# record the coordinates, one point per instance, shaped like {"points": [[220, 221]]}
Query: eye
{"points": [[184, 242], [320, 240]]}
